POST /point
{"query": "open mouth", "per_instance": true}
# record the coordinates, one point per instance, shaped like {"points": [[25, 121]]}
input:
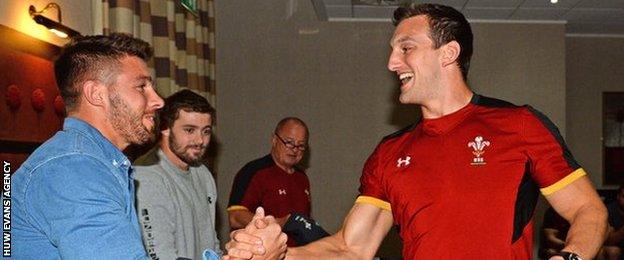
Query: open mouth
{"points": [[405, 77], [149, 122]]}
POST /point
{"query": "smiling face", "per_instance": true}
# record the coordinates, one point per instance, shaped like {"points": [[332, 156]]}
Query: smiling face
{"points": [[133, 102], [189, 136], [415, 60]]}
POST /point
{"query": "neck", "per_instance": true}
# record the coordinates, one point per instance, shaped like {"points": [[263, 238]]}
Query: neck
{"points": [[453, 96], [287, 169], [94, 118], [173, 158]]}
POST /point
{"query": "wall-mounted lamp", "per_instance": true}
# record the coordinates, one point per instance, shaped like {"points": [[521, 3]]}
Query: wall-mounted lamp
{"points": [[56, 27]]}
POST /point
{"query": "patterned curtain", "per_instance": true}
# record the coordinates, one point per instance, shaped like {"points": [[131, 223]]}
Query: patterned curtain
{"points": [[184, 54]]}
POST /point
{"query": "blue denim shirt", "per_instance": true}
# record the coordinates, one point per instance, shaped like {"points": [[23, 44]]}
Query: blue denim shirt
{"points": [[74, 199]]}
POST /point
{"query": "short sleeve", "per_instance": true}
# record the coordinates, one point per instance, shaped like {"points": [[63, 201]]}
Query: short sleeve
{"points": [[552, 164], [371, 190], [246, 191]]}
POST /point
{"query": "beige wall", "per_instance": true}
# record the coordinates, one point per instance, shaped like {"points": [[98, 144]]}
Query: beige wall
{"points": [[330, 75], [334, 76], [594, 66], [522, 63]]}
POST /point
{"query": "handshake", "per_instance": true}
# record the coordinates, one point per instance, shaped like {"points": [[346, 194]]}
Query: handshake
{"points": [[263, 238]]}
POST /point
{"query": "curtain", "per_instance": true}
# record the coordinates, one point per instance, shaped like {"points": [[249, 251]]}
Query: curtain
{"points": [[183, 42]]}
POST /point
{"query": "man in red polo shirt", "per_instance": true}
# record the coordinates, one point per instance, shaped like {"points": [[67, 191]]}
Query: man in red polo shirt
{"points": [[276, 183], [462, 183]]}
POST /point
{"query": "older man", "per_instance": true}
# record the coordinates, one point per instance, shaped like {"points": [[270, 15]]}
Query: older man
{"points": [[277, 184]]}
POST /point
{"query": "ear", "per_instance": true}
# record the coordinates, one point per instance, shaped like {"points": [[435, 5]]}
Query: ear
{"points": [[94, 93], [450, 53]]}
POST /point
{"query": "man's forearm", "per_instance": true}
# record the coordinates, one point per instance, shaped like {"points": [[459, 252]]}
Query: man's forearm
{"points": [[363, 231], [588, 231], [332, 247]]}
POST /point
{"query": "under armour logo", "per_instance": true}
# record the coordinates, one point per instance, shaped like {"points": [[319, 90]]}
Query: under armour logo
{"points": [[403, 162], [281, 191]]}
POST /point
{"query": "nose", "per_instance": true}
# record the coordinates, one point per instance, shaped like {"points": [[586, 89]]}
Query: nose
{"points": [[298, 149], [199, 139], [394, 61], [154, 100]]}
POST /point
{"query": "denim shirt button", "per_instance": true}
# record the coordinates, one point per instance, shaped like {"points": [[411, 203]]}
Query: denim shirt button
{"points": [[115, 163]]}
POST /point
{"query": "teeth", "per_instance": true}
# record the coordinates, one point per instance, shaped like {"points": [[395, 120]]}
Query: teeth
{"points": [[405, 77]]}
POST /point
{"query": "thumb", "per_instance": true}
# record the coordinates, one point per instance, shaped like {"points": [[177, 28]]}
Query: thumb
{"points": [[259, 213], [258, 218]]}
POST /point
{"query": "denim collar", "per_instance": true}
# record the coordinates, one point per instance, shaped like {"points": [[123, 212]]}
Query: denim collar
{"points": [[110, 151]]}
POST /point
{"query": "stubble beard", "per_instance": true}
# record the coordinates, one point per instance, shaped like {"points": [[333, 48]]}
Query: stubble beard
{"points": [[128, 123], [180, 152]]}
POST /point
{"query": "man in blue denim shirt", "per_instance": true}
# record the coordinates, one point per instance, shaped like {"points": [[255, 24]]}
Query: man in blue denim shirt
{"points": [[74, 197]]}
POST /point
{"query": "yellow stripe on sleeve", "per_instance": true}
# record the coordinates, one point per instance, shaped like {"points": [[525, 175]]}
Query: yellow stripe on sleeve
{"points": [[237, 207], [563, 182], [374, 201]]}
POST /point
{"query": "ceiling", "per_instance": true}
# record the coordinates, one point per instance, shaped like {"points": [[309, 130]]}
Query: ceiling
{"points": [[582, 17]]}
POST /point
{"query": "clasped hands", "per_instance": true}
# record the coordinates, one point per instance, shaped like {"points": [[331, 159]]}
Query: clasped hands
{"points": [[262, 238]]}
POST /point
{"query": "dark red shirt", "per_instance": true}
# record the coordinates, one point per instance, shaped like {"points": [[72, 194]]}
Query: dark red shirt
{"points": [[464, 186], [262, 183]]}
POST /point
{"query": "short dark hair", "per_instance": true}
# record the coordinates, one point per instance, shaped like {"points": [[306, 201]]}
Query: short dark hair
{"points": [[186, 100], [94, 57], [296, 120], [445, 25]]}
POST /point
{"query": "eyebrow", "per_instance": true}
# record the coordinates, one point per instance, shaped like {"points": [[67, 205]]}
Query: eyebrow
{"points": [[402, 39], [148, 78], [196, 126], [294, 140]]}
